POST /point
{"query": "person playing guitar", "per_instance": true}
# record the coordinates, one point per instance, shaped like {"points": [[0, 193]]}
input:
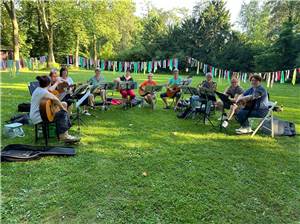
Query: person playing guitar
{"points": [[149, 97], [258, 98], [233, 92], [95, 81], [61, 116], [126, 92], [208, 83], [173, 89]]}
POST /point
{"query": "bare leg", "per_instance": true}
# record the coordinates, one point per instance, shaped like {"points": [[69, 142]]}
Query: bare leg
{"points": [[232, 110], [165, 101]]}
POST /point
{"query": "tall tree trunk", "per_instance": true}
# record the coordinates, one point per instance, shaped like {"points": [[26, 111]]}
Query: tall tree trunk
{"points": [[10, 7], [77, 51], [51, 58], [95, 50], [46, 21]]}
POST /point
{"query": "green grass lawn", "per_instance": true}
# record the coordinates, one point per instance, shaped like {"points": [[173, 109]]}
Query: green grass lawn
{"points": [[195, 174]]}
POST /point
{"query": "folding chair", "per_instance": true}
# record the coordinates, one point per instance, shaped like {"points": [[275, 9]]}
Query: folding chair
{"points": [[32, 86], [269, 117]]}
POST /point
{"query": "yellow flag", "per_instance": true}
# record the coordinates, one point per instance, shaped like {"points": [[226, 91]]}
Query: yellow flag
{"points": [[294, 77]]}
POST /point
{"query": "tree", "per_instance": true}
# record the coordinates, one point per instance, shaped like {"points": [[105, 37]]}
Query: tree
{"points": [[10, 6], [48, 20]]}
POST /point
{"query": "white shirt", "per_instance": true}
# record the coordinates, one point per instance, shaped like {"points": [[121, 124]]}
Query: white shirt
{"points": [[69, 80], [36, 98]]}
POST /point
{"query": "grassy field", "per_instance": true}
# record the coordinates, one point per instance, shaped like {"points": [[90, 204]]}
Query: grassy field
{"points": [[195, 174]]}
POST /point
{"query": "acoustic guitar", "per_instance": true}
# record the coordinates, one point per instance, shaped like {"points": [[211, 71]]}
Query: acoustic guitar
{"points": [[171, 91], [48, 110]]}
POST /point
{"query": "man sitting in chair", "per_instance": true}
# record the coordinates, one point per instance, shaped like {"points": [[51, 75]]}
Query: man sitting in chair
{"points": [[233, 92], [62, 119], [149, 97], [173, 90], [95, 81], [256, 104]]}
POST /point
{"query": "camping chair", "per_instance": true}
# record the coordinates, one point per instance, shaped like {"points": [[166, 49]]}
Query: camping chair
{"points": [[32, 86], [46, 131], [268, 117]]}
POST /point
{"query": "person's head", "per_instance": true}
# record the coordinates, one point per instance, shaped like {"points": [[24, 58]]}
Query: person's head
{"points": [[175, 73], [44, 81], [63, 72], [150, 76], [234, 82], [209, 77], [255, 80], [128, 72], [53, 75], [97, 72]]}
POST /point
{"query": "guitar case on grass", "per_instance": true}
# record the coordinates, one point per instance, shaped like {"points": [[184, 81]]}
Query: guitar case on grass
{"points": [[19, 152]]}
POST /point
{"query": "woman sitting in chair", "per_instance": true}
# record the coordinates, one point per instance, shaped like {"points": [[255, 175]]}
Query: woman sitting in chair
{"points": [[255, 100], [62, 119], [126, 92], [148, 96]]}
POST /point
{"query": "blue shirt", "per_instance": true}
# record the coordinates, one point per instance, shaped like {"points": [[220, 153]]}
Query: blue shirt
{"points": [[93, 81], [262, 101], [177, 82]]}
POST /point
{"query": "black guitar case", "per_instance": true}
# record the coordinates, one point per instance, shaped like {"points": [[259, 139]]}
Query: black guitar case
{"points": [[19, 152]]}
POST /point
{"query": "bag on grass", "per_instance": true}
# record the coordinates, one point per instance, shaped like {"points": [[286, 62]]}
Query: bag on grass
{"points": [[20, 118], [281, 128], [24, 107], [19, 152]]}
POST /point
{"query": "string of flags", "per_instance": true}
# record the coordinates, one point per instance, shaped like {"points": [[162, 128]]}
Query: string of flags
{"points": [[30, 63], [152, 66], [269, 77], [122, 66]]}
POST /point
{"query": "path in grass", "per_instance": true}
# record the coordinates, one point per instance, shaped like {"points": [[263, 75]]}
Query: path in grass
{"points": [[194, 173]]}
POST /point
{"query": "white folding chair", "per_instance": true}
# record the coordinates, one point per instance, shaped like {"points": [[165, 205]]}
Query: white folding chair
{"points": [[268, 117]]}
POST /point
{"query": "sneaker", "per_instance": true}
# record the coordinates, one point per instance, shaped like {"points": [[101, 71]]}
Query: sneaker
{"points": [[86, 113], [245, 130], [238, 129], [68, 138], [225, 124]]}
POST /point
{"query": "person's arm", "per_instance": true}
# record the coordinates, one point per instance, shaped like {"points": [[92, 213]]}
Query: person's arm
{"points": [[215, 86], [53, 87]]}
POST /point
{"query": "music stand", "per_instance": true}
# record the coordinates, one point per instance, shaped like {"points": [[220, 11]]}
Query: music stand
{"points": [[209, 96], [81, 90], [153, 89], [77, 105]]}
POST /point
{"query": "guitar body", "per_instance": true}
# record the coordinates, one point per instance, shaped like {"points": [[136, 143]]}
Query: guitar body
{"points": [[142, 92], [172, 91], [55, 92], [47, 110]]}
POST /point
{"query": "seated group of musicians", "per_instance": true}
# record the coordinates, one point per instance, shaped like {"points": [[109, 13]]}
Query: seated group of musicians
{"points": [[236, 104]]}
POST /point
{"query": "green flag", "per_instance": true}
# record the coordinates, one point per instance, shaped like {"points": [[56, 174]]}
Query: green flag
{"points": [[294, 77], [282, 77], [171, 64]]}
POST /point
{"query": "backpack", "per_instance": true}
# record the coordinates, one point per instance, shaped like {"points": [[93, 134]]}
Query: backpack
{"points": [[281, 128], [20, 118], [24, 107]]}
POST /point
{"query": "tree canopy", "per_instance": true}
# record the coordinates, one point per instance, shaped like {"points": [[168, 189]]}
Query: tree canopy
{"points": [[268, 37]]}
